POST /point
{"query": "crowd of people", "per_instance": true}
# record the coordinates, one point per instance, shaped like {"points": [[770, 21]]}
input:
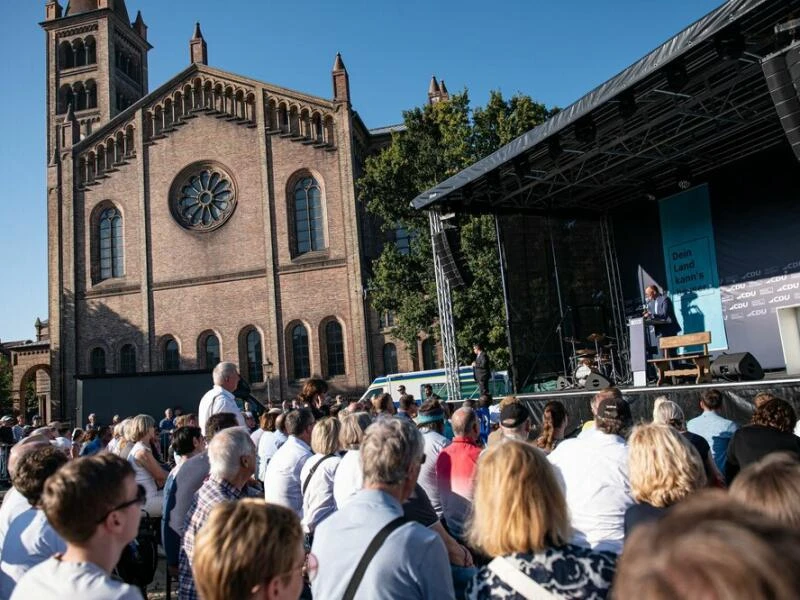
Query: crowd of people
{"points": [[328, 498]]}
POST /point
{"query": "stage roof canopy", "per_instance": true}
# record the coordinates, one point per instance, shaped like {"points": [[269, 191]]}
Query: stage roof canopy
{"points": [[696, 103]]}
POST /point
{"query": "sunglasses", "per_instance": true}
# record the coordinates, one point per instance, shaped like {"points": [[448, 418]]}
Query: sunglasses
{"points": [[141, 498]]}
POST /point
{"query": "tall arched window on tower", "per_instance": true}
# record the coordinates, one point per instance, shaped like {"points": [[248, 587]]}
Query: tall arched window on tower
{"points": [[334, 346], [127, 359], [300, 355], [389, 359], [211, 351], [255, 372], [172, 356], [98, 361], [308, 225], [110, 241]]}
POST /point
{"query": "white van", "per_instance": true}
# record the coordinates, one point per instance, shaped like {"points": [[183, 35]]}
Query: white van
{"points": [[415, 381]]}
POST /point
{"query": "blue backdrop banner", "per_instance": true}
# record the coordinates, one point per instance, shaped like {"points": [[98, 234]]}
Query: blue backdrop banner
{"points": [[691, 264]]}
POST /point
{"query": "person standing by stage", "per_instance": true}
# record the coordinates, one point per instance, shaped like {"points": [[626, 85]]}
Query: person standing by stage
{"points": [[659, 316], [481, 369]]}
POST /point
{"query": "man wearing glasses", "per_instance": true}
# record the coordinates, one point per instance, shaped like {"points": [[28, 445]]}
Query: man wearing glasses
{"points": [[94, 504]]}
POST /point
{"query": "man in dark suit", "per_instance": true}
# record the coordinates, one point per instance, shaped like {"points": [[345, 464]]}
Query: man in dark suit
{"points": [[660, 317], [481, 369]]}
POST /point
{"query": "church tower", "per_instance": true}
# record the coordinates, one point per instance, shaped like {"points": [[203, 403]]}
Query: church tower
{"points": [[96, 62]]}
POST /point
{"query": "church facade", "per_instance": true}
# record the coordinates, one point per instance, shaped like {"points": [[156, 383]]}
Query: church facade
{"points": [[214, 218]]}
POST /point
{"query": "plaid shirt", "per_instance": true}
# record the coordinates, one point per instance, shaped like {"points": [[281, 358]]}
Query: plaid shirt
{"points": [[213, 491]]}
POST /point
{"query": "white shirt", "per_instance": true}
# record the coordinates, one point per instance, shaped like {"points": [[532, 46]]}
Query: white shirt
{"points": [[267, 447], [217, 400], [349, 478], [30, 541], [593, 470], [434, 442], [14, 504], [318, 501], [55, 578], [282, 478]]}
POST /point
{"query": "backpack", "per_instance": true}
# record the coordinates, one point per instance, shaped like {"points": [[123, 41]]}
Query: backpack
{"points": [[139, 560]]}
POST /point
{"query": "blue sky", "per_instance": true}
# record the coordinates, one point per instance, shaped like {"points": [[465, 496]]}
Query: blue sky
{"points": [[553, 51]]}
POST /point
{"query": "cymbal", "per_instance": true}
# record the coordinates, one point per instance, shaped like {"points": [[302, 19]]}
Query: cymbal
{"points": [[572, 340], [596, 337], [585, 352]]}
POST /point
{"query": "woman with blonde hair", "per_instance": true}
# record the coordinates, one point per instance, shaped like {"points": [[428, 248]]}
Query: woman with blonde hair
{"points": [[141, 430], [317, 474], [520, 517], [349, 478], [664, 468]]}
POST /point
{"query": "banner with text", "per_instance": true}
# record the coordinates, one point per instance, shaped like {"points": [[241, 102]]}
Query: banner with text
{"points": [[691, 264]]}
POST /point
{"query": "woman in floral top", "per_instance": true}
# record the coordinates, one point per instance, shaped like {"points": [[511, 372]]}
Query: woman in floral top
{"points": [[520, 517]]}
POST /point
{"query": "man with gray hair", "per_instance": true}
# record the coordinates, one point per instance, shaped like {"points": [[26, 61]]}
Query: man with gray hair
{"points": [[408, 560], [232, 462], [220, 397]]}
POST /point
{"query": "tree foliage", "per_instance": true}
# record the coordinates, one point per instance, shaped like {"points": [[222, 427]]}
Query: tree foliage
{"points": [[440, 140], [5, 384]]}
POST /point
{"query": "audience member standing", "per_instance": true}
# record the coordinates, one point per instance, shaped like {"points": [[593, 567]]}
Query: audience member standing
{"points": [[18, 430], [521, 519], [149, 474], [481, 369], [94, 504], [412, 563], [317, 474], [30, 539], [167, 423], [271, 440], [771, 430], [250, 549], [282, 479], [349, 477], [220, 398], [232, 461], [455, 471], [716, 429], [594, 471], [430, 422], [664, 469], [407, 407]]}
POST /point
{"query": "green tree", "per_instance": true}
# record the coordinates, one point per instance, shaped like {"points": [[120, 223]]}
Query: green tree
{"points": [[440, 140], [5, 385]]}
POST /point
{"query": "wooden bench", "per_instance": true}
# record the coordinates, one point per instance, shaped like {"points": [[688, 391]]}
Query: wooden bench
{"points": [[700, 367]]}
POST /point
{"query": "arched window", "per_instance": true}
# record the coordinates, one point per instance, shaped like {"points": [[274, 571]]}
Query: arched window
{"points": [[110, 238], [211, 352], [428, 354], [255, 372], [389, 359], [172, 356], [98, 361], [127, 359], [308, 226], [300, 354], [334, 345]]}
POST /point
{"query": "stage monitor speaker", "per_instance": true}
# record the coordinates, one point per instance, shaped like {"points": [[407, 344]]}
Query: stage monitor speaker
{"points": [[562, 383], [741, 366], [595, 381], [782, 74]]}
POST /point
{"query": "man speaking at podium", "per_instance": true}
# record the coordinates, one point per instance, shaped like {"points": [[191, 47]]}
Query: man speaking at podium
{"points": [[659, 316]]}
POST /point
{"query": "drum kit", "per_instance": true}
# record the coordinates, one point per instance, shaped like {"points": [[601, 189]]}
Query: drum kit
{"points": [[595, 354]]}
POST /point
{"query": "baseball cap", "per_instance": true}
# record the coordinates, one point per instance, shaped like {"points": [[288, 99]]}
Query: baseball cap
{"points": [[514, 415]]}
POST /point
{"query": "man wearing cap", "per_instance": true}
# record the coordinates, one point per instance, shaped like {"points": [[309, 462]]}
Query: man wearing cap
{"points": [[430, 422], [593, 470], [515, 422]]}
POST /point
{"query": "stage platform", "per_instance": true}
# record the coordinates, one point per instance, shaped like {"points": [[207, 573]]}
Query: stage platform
{"points": [[738, 404]]}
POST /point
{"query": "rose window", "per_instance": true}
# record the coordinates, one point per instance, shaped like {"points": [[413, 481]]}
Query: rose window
{"points": [[203, 197]]}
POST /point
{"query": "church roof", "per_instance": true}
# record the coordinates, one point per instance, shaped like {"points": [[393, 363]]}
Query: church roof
{"points": [[76, 7]]}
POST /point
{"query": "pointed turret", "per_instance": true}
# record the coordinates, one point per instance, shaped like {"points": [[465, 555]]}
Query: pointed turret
{"points": [[52, 10], [198, 51], [139, 27], [437, 92], [443, 91], [71, 133], [433, 88], [341, 80]]}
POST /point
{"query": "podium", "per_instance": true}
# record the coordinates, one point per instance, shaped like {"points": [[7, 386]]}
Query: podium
{"points": [[637, 331]]}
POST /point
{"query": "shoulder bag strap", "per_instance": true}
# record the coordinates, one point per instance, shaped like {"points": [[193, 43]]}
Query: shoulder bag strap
{"points": [[518, 581], [372, 549], [311, 472]]}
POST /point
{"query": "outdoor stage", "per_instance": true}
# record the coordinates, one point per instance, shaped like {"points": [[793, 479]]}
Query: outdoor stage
{"points": [[738, 404]]}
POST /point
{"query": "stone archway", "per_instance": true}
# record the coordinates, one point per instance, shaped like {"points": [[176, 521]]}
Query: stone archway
{"points": [[31, 371]]}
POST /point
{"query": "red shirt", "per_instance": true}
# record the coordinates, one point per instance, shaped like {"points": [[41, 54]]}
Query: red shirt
{"points": [[455, 476]]}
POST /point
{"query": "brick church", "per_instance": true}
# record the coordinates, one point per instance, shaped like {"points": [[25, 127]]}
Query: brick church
{"points": [[214, 218]]}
